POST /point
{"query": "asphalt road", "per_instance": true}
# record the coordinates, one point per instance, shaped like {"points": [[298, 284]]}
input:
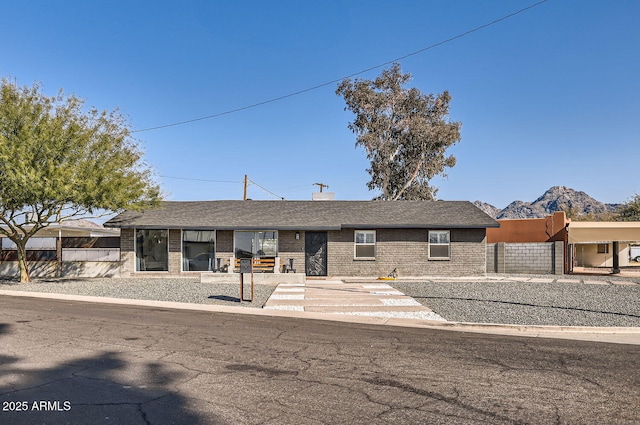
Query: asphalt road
{"points": [[65, 362]]}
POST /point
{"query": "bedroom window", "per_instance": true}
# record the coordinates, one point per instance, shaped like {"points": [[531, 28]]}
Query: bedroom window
{"points": [[365, 244], [439, 244]]}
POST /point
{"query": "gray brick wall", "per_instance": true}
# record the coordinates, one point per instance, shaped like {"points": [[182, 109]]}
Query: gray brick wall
{"points": [[290, 247], [175, 251], [127, 253], [404, 249], [407, 250]]}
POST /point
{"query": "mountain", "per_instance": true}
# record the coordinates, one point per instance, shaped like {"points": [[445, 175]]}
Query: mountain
{"points": [[82, 223], [487, 208], [557, 198]]}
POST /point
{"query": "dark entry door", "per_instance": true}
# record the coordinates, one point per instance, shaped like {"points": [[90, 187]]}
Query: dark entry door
{"points": [[315, 253]]}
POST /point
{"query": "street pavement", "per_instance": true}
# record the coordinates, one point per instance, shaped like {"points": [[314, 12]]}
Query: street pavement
{"points": [[70, 362]]}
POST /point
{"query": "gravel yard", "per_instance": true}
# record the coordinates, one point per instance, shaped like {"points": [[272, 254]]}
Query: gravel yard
{"points": [[178, 290], [530, 303], [565, 301]]}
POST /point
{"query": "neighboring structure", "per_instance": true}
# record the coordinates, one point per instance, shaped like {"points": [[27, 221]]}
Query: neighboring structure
{"points": [[66, 251], [554, 243], [602, 243], [529, 245], [337, 238]]}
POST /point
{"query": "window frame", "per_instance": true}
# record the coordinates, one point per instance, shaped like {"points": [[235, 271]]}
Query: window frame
{"points": [[439, 244], [184, 244], [605, 249], [138, 267], [254, 241], [356, 244]]}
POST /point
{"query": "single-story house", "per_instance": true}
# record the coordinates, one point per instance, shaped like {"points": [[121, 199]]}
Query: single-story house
{"points": [[317, 238]]}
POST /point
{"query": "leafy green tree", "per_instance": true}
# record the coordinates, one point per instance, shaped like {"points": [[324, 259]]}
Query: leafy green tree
{"points": [[630, 210], [404, 132], [59, 161]]}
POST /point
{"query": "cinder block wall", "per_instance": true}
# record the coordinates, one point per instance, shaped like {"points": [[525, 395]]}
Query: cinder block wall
{"points": [[534, 258], [491, 258], [526, 258]]}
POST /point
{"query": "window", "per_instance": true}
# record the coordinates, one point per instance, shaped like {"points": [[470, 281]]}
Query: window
{"points": [[256, 244], [152, 250], [198, 250], [439, 244], [603, 248], [365, 244]]}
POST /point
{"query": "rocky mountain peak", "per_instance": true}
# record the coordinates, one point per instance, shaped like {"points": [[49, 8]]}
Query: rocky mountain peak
{"points": [[557, 198]]}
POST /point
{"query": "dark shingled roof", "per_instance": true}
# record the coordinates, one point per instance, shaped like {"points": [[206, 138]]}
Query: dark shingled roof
{"points": [[306, 215]]}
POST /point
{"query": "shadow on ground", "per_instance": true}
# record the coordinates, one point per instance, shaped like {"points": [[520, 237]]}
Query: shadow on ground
{"points": [[89, 390]]}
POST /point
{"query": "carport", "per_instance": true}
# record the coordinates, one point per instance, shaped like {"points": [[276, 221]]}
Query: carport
{"points": [[601, 244]]}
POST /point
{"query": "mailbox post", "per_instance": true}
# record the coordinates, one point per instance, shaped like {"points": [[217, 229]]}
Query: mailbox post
{"points": [[246, 266]]}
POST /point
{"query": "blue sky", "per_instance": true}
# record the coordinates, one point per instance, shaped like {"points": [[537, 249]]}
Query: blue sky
{"points": [[548, 97]]}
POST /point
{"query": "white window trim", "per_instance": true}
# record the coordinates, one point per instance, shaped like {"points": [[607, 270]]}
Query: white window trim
{"points": [[356, 244], [448, 244]]}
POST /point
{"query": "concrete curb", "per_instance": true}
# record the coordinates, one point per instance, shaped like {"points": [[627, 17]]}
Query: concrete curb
{"points": [[620, 335]]}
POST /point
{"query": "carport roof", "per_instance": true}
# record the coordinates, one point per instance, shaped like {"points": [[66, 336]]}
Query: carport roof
{"points": [[306, 215], [604, 231]]}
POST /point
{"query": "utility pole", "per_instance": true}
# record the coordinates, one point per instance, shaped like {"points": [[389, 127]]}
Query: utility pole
{"points": [[322, 185], [246, 183]]}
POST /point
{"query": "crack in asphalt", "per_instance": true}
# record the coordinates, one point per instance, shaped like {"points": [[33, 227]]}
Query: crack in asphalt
{"points": [[386, 382]]}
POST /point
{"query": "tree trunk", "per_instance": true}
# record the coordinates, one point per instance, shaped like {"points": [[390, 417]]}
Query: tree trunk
{"points": [[22, 261]]}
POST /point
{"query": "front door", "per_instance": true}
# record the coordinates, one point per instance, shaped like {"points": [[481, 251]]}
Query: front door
{"points": [[315, 253]]}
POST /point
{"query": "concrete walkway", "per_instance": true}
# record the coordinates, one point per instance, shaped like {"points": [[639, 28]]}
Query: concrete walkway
{"points": [[355, 299]]}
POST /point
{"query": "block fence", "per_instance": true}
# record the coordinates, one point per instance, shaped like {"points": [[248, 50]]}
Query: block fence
{"points": [[525, 257]]}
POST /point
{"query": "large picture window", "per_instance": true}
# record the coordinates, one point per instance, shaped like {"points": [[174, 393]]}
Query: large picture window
{"points": [[152, 250], [439, 244], [198, 250], [365, 244], [256, 244]]}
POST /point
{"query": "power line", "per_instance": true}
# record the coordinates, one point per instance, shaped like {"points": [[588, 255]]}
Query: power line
{"points": [[276, 99], [266, 190], [249, 181]]}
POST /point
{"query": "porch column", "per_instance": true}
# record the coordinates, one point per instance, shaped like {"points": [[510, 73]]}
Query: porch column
{"points": [[616, 258]]}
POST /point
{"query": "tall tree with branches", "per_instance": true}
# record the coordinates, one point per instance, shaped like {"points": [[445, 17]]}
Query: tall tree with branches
{"points": [[60, 161], [404, 132]]}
